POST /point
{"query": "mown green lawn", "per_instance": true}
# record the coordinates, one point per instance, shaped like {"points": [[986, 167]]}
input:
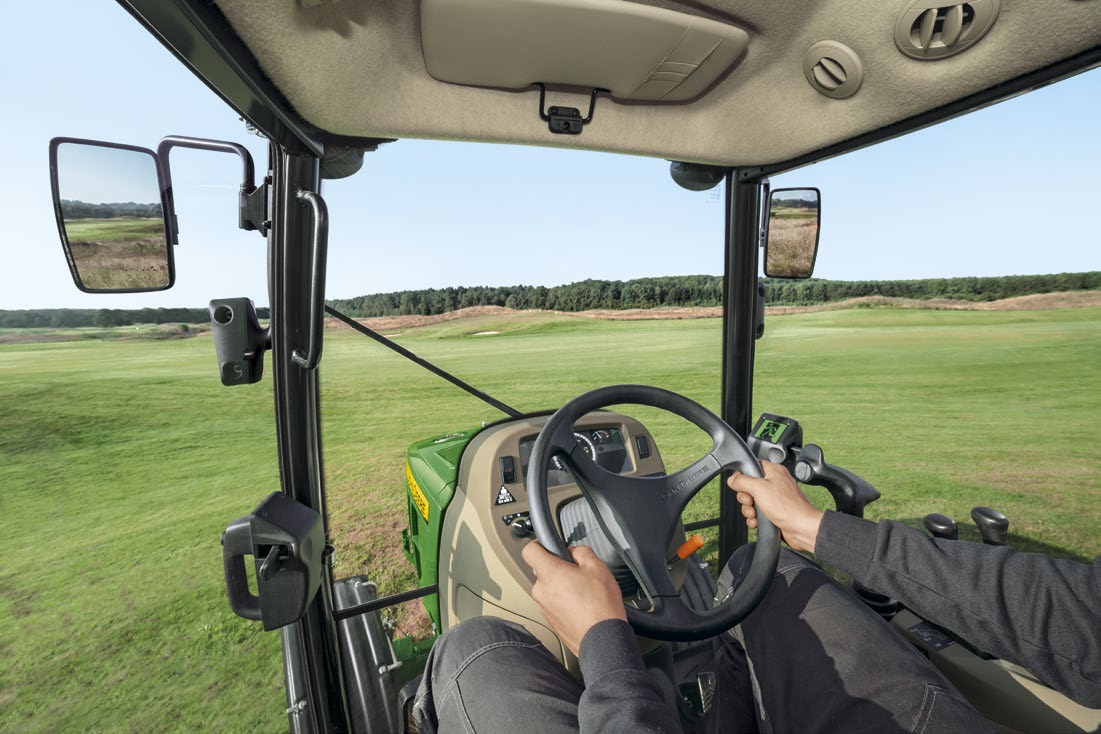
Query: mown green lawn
{"points": [[117, 228], [122, 461]]}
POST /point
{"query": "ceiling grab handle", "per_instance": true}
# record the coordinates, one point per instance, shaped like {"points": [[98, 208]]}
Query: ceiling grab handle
{"points": [[320, 241]]}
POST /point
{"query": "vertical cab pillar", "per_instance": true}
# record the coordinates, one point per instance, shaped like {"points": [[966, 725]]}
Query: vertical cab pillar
{"points": [[743, 226], [311, 650]]}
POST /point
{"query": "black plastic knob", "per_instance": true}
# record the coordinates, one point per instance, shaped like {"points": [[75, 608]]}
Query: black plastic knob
{"points": [[942, 526], [993, 525], [521, 527]]}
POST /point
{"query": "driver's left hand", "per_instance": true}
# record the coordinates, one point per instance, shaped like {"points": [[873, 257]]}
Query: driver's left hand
{"points": [[573, 596]]}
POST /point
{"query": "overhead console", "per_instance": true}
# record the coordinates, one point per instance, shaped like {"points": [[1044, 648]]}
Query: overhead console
{"points": [[635, 52]]}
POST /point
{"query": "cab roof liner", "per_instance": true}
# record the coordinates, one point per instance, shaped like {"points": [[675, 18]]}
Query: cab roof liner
{"points": [[348, 70]]}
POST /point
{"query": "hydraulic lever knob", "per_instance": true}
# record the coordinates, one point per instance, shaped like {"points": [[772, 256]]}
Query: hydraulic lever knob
{"points": [[942, 526], [993, 525]]}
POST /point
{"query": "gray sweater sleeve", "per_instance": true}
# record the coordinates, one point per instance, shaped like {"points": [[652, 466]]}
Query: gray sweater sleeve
{"points": [[620, 696], [1026, 608]]}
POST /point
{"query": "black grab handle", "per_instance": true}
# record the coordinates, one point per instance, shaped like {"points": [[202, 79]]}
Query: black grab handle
{"points": [[236, 544]]}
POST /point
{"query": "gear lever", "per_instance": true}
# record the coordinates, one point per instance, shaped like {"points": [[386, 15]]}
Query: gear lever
{"points": [[993, 525]]}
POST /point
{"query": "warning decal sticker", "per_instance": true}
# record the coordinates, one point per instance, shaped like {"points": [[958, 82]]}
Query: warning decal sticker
{"points": [[418, 496], [503, 497]]}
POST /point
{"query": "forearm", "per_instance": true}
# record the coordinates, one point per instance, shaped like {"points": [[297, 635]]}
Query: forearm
{"points": [[620, 695], [1024, 607]]}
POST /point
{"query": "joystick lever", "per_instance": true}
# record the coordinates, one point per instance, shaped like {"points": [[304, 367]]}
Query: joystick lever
{"points": [[942, 526], [851, 494], [993, 525]]}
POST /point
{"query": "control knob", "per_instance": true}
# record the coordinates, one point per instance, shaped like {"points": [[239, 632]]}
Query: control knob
{"points": [[521, 527]]}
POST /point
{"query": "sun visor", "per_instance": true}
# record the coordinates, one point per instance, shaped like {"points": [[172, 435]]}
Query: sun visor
{"points": [[637, 52]]}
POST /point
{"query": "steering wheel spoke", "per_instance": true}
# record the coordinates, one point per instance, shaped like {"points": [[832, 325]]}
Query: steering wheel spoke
{"points": [[649, 565]]}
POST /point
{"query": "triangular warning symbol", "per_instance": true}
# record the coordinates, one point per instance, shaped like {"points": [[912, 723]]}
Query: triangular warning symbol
{"points": [[503, 497]]}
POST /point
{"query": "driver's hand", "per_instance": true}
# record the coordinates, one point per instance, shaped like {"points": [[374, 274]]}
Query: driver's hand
{"points": [[573, 597], [782, 502]]}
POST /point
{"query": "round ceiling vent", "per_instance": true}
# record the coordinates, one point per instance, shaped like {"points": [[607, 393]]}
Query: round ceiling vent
{"points": [[833, 69], [934, 29]]}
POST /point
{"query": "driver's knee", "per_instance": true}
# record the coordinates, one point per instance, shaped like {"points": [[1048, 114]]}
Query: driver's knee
{"points": [[737, 568], [461, 649], [474, 637]]}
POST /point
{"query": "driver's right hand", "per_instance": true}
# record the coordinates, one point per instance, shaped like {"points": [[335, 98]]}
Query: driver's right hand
{"points": [[780, 499], [573, 596]]}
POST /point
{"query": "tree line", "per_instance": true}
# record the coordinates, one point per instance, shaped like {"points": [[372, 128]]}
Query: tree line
{"points": [[669, 291], [76, 209], [702, 290]]}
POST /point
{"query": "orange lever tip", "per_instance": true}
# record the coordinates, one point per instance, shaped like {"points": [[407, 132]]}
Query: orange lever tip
{"points": [[690, 546]]}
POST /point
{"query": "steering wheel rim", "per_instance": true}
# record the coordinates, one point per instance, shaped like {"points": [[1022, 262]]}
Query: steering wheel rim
{"points": [[631, 509]]}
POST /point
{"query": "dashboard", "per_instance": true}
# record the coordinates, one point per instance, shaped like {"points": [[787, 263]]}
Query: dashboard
{"points": [[487, 524], [605, 445]]}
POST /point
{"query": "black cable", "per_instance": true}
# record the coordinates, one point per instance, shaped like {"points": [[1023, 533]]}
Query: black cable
{"points": [[507, 410]]}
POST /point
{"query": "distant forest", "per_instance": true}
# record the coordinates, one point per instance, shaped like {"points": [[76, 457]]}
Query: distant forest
{"points": [[76, 209], [680, 290], [703, 290]]}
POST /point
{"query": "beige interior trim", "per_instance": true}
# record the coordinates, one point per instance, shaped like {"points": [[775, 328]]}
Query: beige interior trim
{"points": [[637, 52], [357, 68], [1011, 701]]}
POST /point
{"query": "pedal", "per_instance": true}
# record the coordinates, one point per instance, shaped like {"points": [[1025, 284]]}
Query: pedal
{"points": [[700, 695]]}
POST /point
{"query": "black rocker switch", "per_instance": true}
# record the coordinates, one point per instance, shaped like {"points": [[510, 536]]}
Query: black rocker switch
{"points": [[508, 469], [993, 525], [942, 526]]}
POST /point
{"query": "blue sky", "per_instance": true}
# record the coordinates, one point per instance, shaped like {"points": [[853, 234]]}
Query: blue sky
{"points": [[107, 175], [992, 193]]}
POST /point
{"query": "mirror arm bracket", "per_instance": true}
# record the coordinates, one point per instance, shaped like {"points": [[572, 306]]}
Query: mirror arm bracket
{"points": [[254, 208], [253, 202]]}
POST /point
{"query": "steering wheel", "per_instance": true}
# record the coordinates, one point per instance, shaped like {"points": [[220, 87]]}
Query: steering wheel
{"points": [[639, 514]]}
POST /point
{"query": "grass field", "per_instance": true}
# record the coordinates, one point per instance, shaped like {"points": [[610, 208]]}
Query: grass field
{"points": [[122, 461], [122, 252], [791, 237], [116, 228]]}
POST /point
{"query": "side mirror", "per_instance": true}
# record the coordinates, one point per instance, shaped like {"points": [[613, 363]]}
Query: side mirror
{"points": [[112, 214], [791, 244]]}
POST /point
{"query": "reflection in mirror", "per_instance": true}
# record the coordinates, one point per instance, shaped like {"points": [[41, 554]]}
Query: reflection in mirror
{"points": [[792, 233], [111, 216]]}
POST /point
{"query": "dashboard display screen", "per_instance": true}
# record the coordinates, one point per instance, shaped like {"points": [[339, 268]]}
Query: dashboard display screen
{"points": [[605, 446]]}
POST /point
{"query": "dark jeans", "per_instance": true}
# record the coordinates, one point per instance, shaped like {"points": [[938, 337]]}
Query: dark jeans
{"points": [[810, 658]]}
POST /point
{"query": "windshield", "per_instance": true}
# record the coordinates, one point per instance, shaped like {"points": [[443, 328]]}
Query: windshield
{"points": [[912, 358]]}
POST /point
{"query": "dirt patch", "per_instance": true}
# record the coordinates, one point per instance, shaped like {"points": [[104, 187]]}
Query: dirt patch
{"points": [[119, 333], [385, 324], [648, 314], [393, 326], [399, 323], [1038, 302], [1073, 299], [33, 338]]}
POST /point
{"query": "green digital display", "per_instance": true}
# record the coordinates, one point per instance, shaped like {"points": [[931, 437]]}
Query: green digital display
{"points": [[770, 431]]}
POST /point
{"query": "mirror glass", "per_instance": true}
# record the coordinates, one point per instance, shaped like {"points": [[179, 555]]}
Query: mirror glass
{"points": [[792, 233], [111, 216]]}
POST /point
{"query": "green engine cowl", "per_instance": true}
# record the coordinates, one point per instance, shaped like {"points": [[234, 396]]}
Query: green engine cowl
{"points": [[431, 468]]}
